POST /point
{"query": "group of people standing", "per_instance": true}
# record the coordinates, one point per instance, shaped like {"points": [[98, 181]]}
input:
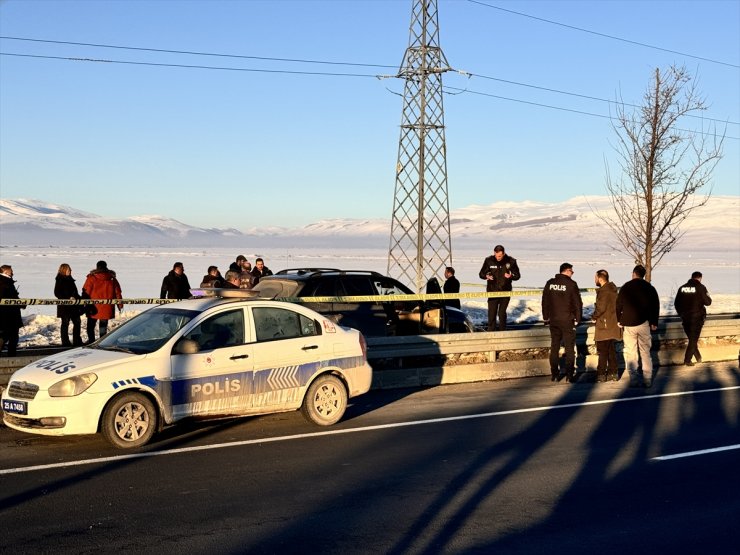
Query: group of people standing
{"points": [[627, 314], [100, 283], [240, 275]]}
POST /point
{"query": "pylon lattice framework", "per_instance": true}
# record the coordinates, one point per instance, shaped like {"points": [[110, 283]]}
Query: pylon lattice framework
{"points": [[420, 245]]}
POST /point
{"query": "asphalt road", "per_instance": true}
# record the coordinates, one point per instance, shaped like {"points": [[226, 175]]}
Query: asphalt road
{"points": [[524, 466]]}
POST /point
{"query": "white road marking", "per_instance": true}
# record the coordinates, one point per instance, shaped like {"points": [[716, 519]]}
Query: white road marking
{"points": [[117, 458], [695, 453]]}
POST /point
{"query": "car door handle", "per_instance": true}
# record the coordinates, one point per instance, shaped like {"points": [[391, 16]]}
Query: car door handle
{"points": [[236, 357], [309, 347]]}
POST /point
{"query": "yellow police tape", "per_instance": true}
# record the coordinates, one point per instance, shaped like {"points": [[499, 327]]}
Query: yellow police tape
{"points": [[346, 299]]}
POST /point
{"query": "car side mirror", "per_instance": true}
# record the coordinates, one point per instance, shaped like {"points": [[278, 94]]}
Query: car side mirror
{"points": [[186, 347]]}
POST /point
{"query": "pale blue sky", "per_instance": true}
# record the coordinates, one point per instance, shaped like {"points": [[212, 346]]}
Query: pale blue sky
{"points": [[241, 148]]}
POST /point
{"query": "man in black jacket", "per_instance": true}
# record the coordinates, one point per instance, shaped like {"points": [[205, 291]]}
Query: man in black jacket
{"points": [[175, 285], [10, 315], [499, 270], [690, 303], [562, 309], [452, 285], [638, 307]]}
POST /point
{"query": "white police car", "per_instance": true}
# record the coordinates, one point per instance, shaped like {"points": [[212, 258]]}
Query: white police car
{"points": [[199, 357]]}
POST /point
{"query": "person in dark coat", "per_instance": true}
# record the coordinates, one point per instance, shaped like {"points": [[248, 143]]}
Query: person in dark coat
{"points": [[259, 271], [638, 308], [101, 283], [175, 284], [10, 315], [691, 302], [65, 288], [606, 329], [562, 310], [452, 285], [213, 278], [499, 270]]}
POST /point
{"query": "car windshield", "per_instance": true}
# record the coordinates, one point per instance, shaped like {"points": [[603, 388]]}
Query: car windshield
{"points": [[269, 288], [146, 332]]}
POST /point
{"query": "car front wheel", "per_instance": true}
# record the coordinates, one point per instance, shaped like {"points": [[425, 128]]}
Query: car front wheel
{"points": [[325, 401], [129, 421]]}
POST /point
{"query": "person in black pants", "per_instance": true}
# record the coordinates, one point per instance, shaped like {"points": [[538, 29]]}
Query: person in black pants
{"points": [[10, 315], [499, 270], [562, 309], [690, 303], [65, 288]]}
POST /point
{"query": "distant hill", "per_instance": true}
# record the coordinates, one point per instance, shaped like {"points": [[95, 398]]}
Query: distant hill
{"points": [[24, 222]]}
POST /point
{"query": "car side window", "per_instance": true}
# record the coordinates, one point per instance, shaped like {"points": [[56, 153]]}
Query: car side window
{"points": [[389, 288], [358, 285], [325, 288], [279, 323], [222, 330]]}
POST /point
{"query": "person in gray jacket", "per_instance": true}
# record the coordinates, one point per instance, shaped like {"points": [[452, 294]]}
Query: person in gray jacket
{"points": [[606, 329]]}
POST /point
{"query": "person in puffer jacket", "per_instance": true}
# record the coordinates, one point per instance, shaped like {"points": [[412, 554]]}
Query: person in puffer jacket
{"points": [[101, 283]]}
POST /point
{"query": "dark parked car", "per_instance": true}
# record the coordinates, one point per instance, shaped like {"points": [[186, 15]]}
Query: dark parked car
{"points": [[371, 318]]}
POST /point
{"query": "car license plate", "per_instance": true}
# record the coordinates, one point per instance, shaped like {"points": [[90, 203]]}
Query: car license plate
{"points": [[16, 407]]}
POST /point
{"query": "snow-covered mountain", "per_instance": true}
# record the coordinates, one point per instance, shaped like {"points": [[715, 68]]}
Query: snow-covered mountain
{"points": [[715, 226]]}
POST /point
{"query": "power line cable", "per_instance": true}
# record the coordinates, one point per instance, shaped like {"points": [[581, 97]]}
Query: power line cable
{"points": [[292, 72], [550, 106], [194, 53], [547, 89], [581, 29], [307, 61], [188, 66]]}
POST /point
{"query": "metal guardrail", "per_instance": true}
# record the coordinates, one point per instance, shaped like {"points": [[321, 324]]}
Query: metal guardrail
{"points": [[533, 338], [415, 360]]}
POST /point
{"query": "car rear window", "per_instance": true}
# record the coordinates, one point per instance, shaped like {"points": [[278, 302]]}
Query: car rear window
{"points": [[272, 288]]}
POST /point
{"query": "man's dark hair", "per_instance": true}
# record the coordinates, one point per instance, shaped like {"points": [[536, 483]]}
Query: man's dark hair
{"points": [[177, 265], [212, 268], [498, 248], [259, 260], [565, 266], [696, 275], [603, 274], [639, 271], [240, 258], [450, 269], [101, 265]]}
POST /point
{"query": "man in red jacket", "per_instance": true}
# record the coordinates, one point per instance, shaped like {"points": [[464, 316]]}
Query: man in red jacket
{"points": [[101, 283]]}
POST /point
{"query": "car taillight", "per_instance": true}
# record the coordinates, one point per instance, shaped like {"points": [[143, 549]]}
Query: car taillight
{"points": [[363, 345]]}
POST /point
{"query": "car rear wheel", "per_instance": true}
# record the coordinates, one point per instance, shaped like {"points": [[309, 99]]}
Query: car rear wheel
{"points": [[325, 401], [129, 420]]}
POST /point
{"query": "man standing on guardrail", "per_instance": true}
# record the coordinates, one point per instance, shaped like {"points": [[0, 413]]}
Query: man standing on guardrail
{"points": [[101, 283], [499, 270], [638, 307], [10, 315], [690, 303], [562, 309]]}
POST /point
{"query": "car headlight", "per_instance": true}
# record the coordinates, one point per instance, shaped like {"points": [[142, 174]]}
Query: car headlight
{"points": [[72, 386]]}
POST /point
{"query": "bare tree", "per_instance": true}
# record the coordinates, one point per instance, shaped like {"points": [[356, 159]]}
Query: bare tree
{"points": [[663, 168]]}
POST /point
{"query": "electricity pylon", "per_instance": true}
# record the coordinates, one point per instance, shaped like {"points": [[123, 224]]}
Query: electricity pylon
{"points": [[420, 245]]}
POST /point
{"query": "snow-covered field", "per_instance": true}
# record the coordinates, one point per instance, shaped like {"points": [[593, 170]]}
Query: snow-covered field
{"points": [[140, 271]]}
